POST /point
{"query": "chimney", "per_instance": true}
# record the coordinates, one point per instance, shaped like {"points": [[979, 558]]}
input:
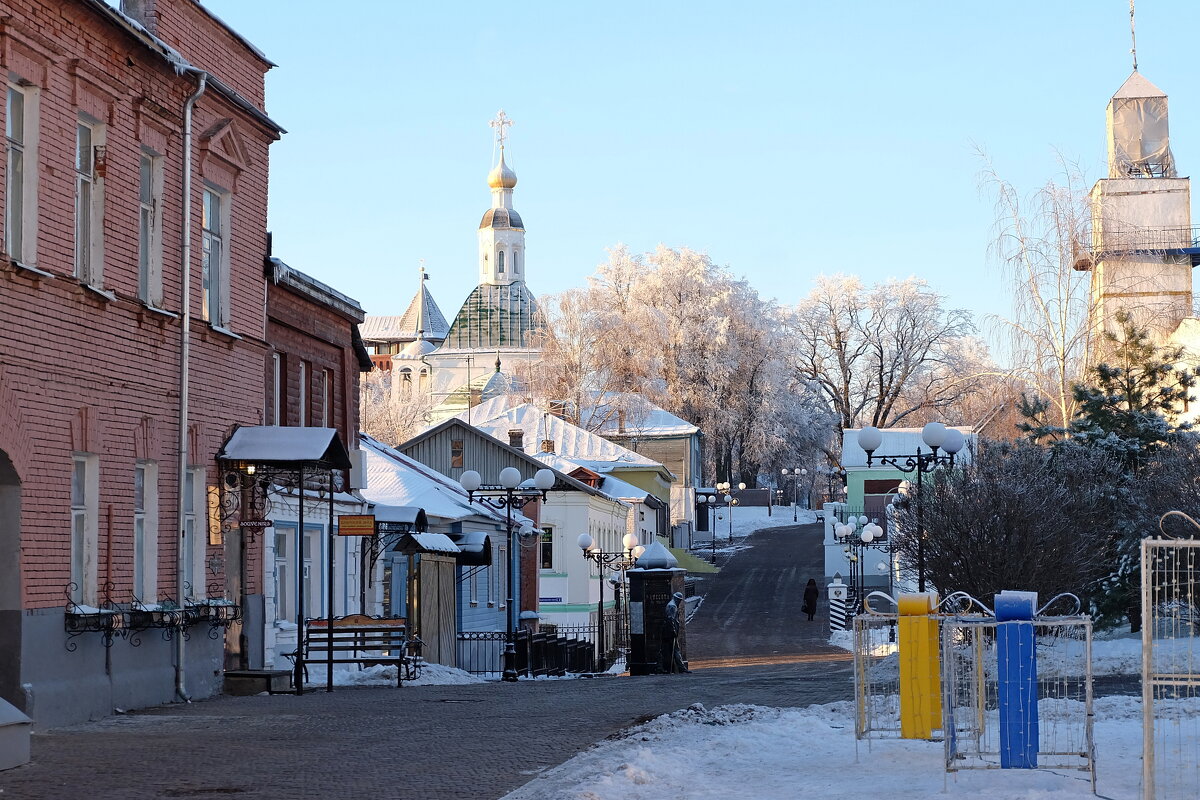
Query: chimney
{"points": [[143, 12], [547, 446], [516, 438]]}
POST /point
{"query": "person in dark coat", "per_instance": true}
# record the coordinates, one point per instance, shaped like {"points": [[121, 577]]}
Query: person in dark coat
{"points": [[811, 593]]}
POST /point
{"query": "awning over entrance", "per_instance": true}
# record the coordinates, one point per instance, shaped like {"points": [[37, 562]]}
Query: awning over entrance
{"points": [[284, 447]]}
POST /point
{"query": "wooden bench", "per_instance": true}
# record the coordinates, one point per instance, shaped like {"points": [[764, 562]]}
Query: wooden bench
{"points": [[358, 639]]}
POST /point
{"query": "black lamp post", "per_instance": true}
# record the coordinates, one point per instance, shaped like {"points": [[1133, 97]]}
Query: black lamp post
{"points": [[506, 495], [620, 561], [719, 495], [934, 434], [796, 474]]}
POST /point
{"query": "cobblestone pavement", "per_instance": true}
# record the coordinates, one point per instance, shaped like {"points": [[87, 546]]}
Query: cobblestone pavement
{"points": [[476, 741]]}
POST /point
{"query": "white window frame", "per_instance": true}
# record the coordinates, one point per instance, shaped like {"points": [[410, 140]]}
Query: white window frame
{"points": [[214, 272], [282, 574], [150, 189], [546, 532], [21, 146], [276, 389], [85, 516], [89, 202], [195, 526], [500, 261], [145, 532]]}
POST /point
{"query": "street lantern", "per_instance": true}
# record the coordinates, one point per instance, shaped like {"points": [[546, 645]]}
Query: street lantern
{"points": [[620, 561], [937, 437], [507, 495]]}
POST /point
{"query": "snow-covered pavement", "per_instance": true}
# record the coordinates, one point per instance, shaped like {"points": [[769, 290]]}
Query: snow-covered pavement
{"points": [[781, 754]]}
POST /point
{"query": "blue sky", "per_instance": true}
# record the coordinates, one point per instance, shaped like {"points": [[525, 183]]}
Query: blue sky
{"points": [[784, 139]]}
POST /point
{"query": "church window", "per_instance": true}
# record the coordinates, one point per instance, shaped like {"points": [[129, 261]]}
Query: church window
{"points": [[500, 262], [516, 263]]}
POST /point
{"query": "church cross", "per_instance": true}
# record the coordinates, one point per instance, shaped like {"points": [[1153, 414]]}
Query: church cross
{"points": [[501, 123]]}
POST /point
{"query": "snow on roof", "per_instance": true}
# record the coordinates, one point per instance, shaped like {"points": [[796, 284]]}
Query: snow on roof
{"points": [[649, 420], [277, 444], [570, 441], [377, 328], [896, 441], [395, 479], [434, 543], [615, 487]]}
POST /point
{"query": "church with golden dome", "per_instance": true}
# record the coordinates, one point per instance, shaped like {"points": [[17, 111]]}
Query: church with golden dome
{"points": [[495, 330]]}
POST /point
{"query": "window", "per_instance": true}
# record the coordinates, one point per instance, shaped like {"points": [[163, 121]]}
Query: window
{"points": [[387, 348], [500, 262], [85, 509], [20, 189], [498, 569], [145, 531], [516, 263], [282, 577], [214, 257], [326, 398], [547, 547], [150, 229], [195, 527], [406, 382], [276, 385], [302, 395], [89, 201], [456, 453]]}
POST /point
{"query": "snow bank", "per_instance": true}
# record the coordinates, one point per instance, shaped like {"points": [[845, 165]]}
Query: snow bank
{"points": [[780, 754], [385, 675]]}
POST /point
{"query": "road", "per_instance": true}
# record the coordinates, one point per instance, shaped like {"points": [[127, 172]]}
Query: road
{"points": [[748, 644]]}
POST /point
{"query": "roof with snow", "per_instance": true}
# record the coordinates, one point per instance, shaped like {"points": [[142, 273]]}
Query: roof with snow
{"points": [[644, 419], [427, 543], [423, 317], [278, 445], [1136, 85], [573, 443], [394, 479]]}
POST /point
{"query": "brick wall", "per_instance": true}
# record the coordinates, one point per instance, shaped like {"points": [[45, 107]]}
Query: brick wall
{"points": [[85, 372]]}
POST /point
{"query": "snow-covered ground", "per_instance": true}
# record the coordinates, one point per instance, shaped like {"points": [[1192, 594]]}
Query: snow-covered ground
{"points": [[381, 675], [780, 754], [747, 520]]}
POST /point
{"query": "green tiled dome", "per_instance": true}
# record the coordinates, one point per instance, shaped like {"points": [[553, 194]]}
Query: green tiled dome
{"points": [[496, 316]]}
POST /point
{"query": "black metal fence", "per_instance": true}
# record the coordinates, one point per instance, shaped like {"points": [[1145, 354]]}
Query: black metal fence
{"points": [[553, 650]]}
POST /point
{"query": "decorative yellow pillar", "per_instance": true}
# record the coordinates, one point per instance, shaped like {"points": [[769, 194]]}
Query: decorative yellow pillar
{"points": [[920, 666]]}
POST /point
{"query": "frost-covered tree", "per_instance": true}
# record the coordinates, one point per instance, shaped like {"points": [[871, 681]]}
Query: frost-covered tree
{"points": [[1040, 240], [389, 410], [882, 355]]}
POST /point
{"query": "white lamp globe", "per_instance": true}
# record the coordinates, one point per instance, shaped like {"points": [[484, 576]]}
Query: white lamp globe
{"points": [[470, 480], [741, 486], [954, 441], [510, 477], [630, 541], [862, 519], [584, 541], [637, 551], [784, 471], [882, 567], [526, 529], [869, 438], [933, 434], [543, 480], [867, 535], [803, 472], [728, 499]]}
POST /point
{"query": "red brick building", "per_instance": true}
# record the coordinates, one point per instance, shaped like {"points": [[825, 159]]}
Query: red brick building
{"points": [[136, 152]]}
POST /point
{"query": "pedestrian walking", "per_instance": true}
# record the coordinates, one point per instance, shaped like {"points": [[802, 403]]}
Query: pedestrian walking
{"points": [[811, 593]]}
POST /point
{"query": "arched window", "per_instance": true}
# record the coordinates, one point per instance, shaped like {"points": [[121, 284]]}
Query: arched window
{"points": [[500, 262], [516, 262], [406, 382], [423, 381]]}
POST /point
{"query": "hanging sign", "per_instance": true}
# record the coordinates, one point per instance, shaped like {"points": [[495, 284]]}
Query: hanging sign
{"points": [[356, 525]]}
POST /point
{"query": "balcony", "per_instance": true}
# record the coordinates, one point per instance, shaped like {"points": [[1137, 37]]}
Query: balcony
{"points": [[1115, 242]]}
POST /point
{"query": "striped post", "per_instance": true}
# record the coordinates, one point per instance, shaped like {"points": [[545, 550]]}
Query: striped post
{"points": [[838, 620]]}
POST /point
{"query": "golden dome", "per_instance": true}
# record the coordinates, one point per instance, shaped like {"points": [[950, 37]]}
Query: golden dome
{"points": [[501, 177]]}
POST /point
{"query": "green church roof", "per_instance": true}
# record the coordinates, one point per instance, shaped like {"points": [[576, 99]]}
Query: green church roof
{"points": [[496, 317]]}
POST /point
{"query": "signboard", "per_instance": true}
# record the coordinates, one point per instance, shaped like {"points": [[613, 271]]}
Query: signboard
{"points": [[356, 525], [549, 599], [255, 524]]}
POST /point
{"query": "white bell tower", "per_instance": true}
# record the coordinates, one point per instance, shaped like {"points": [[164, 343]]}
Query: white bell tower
{"points": [[501, 232]]}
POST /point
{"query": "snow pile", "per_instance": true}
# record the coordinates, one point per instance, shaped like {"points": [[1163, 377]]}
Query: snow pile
{"points": [[385, 675], [780, 754]]}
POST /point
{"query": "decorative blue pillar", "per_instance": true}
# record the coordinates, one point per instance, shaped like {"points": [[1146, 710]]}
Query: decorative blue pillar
{"points": [[1017, 679]]}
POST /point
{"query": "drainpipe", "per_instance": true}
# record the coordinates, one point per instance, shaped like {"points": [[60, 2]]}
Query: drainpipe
{"points": [[185, 333]]}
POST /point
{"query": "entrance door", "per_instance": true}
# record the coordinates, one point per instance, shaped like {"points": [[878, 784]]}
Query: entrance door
{"points": [[10, 583]]}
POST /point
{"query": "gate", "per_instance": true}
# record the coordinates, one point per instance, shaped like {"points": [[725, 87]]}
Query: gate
{"points": [[1170, 669]]}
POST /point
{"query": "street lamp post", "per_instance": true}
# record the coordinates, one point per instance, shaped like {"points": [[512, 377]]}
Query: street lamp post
{"points": [[797, 475], [937, 436], [507, 495], [720, 494], [620, 561], [856, 548]]}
